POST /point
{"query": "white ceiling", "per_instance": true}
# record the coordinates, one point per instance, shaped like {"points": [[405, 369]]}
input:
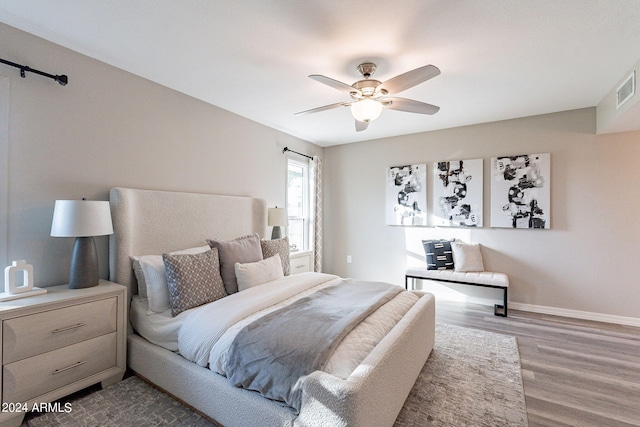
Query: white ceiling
{"points": [[500, 59]]}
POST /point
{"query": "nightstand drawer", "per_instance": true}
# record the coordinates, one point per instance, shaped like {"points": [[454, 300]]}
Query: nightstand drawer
{"points": [[35, 376], [301, 264], [38, 333]]}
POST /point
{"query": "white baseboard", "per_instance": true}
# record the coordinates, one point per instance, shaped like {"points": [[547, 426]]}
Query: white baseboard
{"points": [[554, 311], [576, 314]]}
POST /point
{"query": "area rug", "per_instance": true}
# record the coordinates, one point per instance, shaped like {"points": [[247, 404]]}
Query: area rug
{"points": [[472, 378]]}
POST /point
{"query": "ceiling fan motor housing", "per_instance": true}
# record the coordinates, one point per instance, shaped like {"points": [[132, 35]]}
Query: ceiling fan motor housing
{"points": [[367, 69], [367, 88]]}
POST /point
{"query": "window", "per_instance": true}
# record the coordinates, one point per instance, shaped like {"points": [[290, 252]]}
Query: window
{"points": [[298, 205]]}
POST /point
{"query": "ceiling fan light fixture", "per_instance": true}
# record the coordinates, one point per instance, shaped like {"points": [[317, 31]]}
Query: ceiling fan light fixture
{"points": [[366, 110]]}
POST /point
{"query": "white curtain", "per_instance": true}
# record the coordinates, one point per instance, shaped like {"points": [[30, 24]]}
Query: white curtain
{"points": [[315, 165]]}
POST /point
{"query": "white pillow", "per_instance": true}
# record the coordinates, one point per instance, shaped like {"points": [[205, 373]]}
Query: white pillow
{"points": [[252, 274], [467, 257], [152, 279]]}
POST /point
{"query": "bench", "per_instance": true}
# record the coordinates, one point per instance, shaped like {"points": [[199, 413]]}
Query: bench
{"points": [[485, 278]]}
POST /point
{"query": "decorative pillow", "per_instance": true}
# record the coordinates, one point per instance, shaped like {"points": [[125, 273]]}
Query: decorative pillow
{"points": [[467, 256], [257, 273], [193, 280], [280, 247], [152, 280], [439, 256], [243, 249]]}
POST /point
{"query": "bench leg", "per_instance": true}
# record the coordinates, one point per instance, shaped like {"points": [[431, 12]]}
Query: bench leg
{"points": [[406, 283], [498, 309], [501, 310]]}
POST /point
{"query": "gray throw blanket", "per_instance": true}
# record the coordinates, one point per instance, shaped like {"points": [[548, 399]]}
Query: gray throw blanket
{"points": [[273, 354]]}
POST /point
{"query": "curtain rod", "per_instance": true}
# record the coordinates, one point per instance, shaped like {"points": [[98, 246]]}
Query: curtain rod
{"points": [[285, 149], [62, 79]]}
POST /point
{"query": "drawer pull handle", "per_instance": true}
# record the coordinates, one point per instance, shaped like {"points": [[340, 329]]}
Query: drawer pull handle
{"points": [[68, 328], [75, 365]]}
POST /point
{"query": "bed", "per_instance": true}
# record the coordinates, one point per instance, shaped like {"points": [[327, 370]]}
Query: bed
{"points": [[150, 222]]}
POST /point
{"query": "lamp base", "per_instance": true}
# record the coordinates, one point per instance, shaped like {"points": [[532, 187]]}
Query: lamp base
{"points": [[276, 233], [83, 271]]}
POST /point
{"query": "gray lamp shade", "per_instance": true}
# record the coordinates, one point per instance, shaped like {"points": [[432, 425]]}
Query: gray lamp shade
{"points": [[277, 217], [82, 219]]}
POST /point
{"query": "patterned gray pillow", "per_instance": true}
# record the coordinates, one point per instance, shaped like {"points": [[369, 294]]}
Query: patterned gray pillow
{"points": [[193, 280], [280, 247]]}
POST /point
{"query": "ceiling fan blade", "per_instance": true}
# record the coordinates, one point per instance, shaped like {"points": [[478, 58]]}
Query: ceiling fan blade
{"points": [[409, 105], [343, 87], [326, 107], [409, 79], [360, 126]]}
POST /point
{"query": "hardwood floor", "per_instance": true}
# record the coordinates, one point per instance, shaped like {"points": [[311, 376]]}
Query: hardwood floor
{"points": [[575, 372]]}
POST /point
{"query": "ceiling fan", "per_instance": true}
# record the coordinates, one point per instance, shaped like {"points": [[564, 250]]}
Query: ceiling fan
{"points": [[370, 96]]}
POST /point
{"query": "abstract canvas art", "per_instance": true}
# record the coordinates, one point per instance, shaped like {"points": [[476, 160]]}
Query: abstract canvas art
{"points": [[458, 193], [407, 195], [520, 191]]}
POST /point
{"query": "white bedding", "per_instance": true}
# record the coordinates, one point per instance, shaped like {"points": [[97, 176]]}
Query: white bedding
{"points": [[205, 326], [163, 329], [159, 328], [205, 339], [208, 330]]}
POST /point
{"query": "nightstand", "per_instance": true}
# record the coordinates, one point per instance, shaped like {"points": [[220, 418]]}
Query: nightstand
{"points": [[58, 343], [301, 262]]}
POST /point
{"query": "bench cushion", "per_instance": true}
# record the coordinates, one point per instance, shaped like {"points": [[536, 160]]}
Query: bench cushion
{"points": [[480, 278]]}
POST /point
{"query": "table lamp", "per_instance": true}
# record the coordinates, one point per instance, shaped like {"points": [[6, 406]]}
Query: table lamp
{"points": [[277, 218], [82, 219]]}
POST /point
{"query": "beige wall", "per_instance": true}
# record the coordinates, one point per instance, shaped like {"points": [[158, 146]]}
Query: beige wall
{"points": [[586, 262], [110, 128]]}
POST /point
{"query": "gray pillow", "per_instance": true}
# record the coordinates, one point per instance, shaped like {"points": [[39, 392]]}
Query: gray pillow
{"points": [[140, 279], [193, 280], [281, 247], [243, 249]]}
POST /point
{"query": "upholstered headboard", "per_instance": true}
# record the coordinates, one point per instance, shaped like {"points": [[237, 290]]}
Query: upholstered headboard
{"points": [[150, 222]]}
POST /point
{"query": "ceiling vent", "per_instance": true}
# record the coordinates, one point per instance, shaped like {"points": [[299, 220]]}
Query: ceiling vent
{"points": [[626, 90]]}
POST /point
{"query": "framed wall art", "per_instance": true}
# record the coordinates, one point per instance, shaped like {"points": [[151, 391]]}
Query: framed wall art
{"points": [[520, 191], [457, 194], [407, 195]]}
